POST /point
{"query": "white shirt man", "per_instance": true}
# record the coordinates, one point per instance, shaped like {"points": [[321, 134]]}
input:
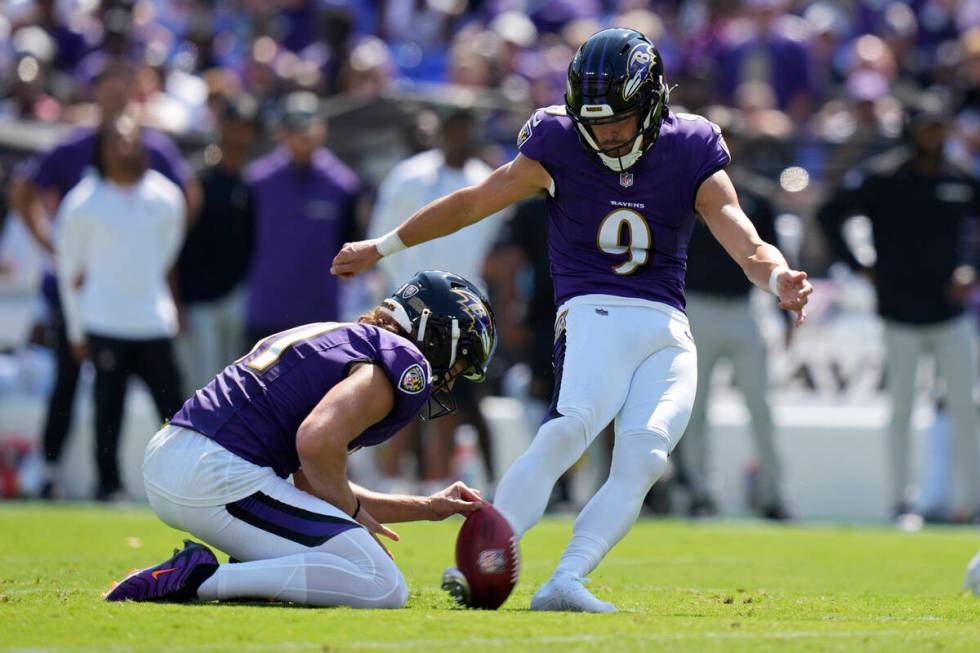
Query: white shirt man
{"points": [[124, 241], [119, 234], [412, 184]]}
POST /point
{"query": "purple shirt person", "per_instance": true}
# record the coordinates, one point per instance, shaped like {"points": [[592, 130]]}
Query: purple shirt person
{"points": [[624, 176], [304, 200], [255, 406]]}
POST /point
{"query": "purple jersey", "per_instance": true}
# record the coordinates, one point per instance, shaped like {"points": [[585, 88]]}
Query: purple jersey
{"points": [[622, 234], [254, 407]]}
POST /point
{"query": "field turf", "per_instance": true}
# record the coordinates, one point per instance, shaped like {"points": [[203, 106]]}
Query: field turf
{"points": [[710, 586]]}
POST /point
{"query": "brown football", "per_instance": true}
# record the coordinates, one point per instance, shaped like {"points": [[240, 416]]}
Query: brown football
{"points": [[488, 555]]}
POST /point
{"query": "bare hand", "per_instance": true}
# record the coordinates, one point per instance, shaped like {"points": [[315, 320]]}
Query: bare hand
{"points": [[365, 519], [794, 292], [457, 499], [354, 258], [79, 352]]}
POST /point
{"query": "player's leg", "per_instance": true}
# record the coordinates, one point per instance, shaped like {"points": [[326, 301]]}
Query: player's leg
{"points": [[231, 329], [956, 354], [112, 366], [294, 546], [200, 346], [651, 422], [709, 326], [902, 348], [596, 351], [156, 365], [750, 362], [390, 455], [57, 421], [437, 454]]}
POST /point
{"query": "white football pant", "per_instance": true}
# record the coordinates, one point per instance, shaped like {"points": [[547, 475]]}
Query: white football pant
{"points": [[292, 545], [616, 358]]}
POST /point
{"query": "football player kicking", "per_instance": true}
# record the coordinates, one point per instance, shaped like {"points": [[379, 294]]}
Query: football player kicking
{"points": [[297, 404], [624, 177]]}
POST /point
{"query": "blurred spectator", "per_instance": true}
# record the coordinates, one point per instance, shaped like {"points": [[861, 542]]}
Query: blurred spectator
{"points": [[28, 99], [919, 204], [768, 47], [724, 327], [214, 262], [304, 200], [330, 52], [867, 124], [517, 270], [69, 44], [409, 186], [368, 70], [119, 232], [36, 195]]}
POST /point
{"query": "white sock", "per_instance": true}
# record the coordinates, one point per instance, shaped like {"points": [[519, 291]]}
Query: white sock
{"points": [[522, 494], [639, 459], [315, 578]]}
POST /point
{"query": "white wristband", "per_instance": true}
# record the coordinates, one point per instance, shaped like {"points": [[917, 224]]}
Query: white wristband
{"points": [[774, 279], [389, 243]]}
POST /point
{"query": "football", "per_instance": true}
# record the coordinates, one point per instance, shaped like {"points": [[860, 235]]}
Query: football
{"points": [[488, 561]]}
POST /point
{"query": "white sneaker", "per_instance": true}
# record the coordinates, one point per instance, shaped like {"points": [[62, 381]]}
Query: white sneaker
{"points": [[568, 594], [972, 581]]}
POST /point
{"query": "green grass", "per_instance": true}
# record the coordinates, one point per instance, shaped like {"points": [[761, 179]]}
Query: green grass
{"points": [[680, 587]]}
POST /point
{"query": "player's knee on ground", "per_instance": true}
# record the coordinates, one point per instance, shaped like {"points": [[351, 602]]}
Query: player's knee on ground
{"points": [[639, 459], [379, 585]]}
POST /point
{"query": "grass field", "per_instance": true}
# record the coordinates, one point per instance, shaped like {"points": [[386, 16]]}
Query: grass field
{"points": [[714, 586]]}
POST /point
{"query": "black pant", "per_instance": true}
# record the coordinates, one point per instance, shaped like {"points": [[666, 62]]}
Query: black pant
{"points": [[62, 398], [254, 334], [115, 359]]}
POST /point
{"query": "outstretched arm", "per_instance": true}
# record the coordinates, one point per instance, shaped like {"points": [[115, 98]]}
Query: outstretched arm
{"points": [[393, 508], [762, 263], [508, 184]]}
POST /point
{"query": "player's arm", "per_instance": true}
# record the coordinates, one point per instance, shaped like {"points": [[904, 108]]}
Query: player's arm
{"points": [[510, 183], [364, 398], [70, 259], [762, 263], [457, 499], [24, 198]]}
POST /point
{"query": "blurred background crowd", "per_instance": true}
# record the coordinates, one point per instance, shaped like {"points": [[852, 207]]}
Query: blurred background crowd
{"points": [[291, 126]]}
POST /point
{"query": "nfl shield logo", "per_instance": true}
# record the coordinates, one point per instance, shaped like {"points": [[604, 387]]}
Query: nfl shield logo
{"points": [[626, 179]]}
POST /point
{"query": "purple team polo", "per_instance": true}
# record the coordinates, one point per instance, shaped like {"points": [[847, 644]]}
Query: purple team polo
{"points": [[62, 168], [254, 407], [622, 234], [303, 215]]}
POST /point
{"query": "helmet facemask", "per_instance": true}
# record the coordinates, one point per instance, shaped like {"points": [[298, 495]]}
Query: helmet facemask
{"points": [[453, 347], [617, 73], [651, 116]]}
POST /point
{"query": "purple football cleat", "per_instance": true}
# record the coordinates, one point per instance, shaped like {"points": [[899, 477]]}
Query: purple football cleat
{"points": [[175, 580]]}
